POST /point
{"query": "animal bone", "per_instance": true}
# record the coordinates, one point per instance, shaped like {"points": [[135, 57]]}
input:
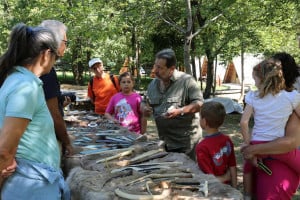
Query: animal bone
{"points": [[166, 193], [189, 187], [119, 155], [182, 175], [161, 163], [146, 157], [203, 187], [148, 153], [186, 181], [148, 166], [143, 168]]}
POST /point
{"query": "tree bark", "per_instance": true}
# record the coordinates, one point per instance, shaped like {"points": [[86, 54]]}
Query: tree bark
{"points": [[210, 74], [243, 76], [188, 38]]}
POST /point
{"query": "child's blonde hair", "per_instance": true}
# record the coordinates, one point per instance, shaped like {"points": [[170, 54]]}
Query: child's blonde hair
{"points": [[271, 77]]}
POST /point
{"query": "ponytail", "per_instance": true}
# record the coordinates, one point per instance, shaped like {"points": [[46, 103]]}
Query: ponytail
{"points": [[25, 44], [271, 77]]}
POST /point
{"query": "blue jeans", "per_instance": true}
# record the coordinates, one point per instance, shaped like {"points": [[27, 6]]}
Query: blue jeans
{"points": [[35, 181]]}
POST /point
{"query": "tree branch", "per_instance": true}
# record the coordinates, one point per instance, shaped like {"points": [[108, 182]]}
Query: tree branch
{"points": [[206, 24]]}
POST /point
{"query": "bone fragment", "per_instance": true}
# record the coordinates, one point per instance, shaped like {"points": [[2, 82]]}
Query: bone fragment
{"points": [[204, 188], [146, 166], [143, 168], [158, 163], [166, 193], [148, 153], [119, 155], [149, 157], [182, 175]]}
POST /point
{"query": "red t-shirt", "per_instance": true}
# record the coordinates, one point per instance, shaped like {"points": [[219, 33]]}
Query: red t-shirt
{"points": [[215, 154]]}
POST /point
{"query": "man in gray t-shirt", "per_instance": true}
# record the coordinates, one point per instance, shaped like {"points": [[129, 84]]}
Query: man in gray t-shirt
{"points": [[176, 100]]}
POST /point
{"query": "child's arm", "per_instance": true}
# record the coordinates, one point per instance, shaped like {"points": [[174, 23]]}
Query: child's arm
{"points": [[233, 176], [244, 123], [110, 117], [90, 94], [229, 176], [143, 115], [143, 124], [7, 172], [225, 177]]}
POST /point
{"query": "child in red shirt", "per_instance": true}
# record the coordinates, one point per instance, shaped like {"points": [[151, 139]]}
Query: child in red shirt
{"points": [[215, 153]]}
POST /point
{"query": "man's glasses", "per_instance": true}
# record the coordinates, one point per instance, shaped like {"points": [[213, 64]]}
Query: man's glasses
{"points": [[66, 42]]}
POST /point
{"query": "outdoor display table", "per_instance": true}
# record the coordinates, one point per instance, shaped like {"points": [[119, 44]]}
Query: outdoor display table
{"points": [[112, 163]]}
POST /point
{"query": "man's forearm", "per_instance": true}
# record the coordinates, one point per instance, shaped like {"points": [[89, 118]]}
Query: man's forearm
{"points": [[193, 107], [61, 131], [278, 146], [290, 141], [59, 123]]}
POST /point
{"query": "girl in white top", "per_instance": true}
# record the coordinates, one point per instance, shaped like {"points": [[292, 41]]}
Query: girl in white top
{"points": [[271, 105]]}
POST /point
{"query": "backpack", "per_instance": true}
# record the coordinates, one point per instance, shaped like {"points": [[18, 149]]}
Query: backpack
{"points": [[112, 78]]}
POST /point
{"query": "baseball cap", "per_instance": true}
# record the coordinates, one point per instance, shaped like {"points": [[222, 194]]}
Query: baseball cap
{"points": [[94, 61]]}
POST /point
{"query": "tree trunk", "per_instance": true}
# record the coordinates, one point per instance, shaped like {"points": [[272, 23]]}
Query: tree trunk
{"points": [[200, 68], [215, 77], [77, 67], [133, 47], [193, 60], [210, 75], [188, 38], [241, 99]]}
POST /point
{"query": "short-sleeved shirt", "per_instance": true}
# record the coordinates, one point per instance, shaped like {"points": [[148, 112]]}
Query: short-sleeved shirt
{"points": [[215, 154], [22, 96], [103, 89], [51, 88], [182, 131], [271, 113], [297, 84], [126, 109]]}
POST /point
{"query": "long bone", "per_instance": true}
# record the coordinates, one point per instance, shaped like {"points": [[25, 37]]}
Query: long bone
{"points": [[119, 155], [148, 166], [182, 175], [166, 193], [199, 186]]}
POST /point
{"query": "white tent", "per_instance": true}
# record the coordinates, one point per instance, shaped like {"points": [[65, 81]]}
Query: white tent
{"points": [[250, 60]]}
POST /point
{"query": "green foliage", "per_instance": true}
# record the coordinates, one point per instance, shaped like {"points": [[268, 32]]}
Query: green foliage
{"points": [[116, 29]]}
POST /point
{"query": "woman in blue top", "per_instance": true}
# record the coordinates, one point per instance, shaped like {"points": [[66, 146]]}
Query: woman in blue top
{"points": [[27, 130]]}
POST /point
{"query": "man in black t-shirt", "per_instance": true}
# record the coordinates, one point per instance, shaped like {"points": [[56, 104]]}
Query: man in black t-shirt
{"points": [[52, 88]]}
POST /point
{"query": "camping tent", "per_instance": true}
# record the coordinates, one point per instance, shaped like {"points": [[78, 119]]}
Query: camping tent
{"points": [[232, 72]]}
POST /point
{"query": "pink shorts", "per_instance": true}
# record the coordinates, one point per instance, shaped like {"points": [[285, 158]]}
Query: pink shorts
{"points": [[291, 159], [282, 184]]}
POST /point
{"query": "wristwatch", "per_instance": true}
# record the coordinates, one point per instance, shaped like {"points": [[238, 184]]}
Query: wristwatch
{"points": [[181, 111]]}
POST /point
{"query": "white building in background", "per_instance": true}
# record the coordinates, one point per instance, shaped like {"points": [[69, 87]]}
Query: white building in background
{"points": [[250, 60]]}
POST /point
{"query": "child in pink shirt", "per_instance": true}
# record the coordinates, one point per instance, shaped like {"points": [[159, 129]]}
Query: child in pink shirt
{"points": [[125, 107]]}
